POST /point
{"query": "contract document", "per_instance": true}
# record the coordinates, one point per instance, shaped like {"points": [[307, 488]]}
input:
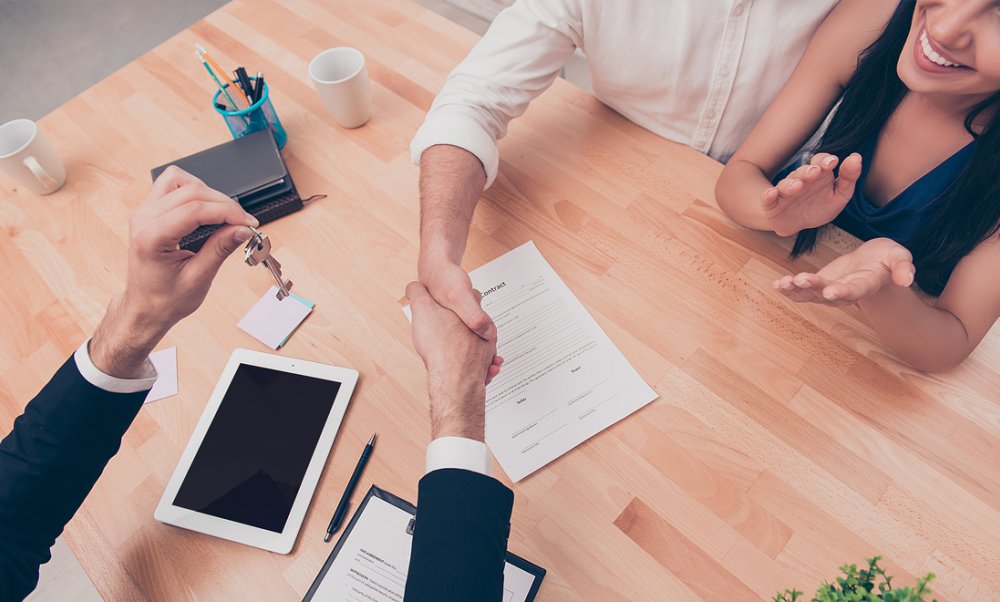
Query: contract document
{"points": [[370, 560], [563, 380]]}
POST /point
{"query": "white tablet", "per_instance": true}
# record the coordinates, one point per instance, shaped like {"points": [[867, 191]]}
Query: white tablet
{"points": [[255, 456]]}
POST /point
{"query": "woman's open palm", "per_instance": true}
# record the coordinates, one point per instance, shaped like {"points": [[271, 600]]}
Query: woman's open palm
{"points": [[856, 275], [812, 195]]}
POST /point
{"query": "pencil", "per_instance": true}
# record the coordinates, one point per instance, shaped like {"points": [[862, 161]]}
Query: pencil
{"points": [[219, 84], [205, 56]]}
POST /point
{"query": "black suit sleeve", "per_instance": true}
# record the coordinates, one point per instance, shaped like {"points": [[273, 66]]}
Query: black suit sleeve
{"points": [[459, 539], [48, 464]]}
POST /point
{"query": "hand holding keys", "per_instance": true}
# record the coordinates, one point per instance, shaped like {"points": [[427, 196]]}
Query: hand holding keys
{"points": [[258, 250]]}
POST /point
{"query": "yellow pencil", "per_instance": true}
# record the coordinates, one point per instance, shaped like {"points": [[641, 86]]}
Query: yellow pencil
{"points": [[221, 73]]}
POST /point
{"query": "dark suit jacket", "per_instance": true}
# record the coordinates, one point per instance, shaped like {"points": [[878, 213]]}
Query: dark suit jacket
{"points": [[459, 539], [49, 463]]}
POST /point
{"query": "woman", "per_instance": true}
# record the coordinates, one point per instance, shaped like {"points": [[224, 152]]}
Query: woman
{"points": [[909, 163]]}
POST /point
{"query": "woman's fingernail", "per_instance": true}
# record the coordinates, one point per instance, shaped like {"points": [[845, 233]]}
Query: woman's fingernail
{"points": [[830, 161], [253, 220]]}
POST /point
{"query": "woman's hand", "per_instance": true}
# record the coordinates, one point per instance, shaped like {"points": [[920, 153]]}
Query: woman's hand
{"points": [[856, 275], [811, 196]]}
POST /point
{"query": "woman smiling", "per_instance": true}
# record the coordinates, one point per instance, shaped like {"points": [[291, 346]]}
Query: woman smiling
{"points": [[908, 164]]}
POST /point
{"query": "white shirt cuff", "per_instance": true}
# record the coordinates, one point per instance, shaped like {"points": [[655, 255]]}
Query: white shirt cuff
{"points": [[461, 130], [110, 383], [461, 453]]}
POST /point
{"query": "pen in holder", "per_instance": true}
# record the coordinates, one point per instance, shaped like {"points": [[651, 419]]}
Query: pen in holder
{"points": [[258, 116]]}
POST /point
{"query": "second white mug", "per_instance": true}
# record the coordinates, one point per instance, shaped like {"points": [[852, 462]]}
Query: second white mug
{"points": [[341, 79], [28, 157]]}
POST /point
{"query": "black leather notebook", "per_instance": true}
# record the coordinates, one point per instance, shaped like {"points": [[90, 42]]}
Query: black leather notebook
{"points": [[249, 169]]}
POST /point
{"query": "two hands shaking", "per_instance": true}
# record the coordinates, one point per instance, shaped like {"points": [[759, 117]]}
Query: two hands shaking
{"points": [[460, 357]]}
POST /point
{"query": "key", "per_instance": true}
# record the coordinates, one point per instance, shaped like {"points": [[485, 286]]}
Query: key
{"points": [[258, 251]]}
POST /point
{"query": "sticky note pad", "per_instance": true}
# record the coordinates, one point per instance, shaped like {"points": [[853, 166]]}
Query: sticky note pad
{"points": [[165, 362], [271, 321]]}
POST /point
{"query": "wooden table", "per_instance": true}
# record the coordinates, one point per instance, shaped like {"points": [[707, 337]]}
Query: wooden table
{"points": [[786, 440]]}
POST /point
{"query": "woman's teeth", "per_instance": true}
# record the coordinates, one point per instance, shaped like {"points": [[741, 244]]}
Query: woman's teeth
{"points": [[933, 56]]}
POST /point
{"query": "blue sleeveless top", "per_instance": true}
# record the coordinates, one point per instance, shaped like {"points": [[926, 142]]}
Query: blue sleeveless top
{"points": [[901, 218]]}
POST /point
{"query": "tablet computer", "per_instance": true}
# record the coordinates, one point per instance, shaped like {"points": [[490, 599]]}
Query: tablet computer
{"points": [[252, 464]]}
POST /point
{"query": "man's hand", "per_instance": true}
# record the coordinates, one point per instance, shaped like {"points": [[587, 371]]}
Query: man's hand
{"points": [[165, 284], [856, 275], [451, 181], [451, 287], [459, 365], [811, 196]]}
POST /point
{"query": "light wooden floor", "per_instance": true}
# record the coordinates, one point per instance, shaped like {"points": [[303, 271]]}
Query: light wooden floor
{"points": [[786, 439]]}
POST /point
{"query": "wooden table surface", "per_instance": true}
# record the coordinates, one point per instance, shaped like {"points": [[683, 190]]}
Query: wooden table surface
{"points": [[786, 440]]}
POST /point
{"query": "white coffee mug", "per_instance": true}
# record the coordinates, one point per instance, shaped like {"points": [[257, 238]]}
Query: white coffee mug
{"points": [[28, 157], [341, 79]]}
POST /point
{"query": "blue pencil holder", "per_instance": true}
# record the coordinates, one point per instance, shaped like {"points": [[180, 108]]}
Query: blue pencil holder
{"points": [[260, 115]]}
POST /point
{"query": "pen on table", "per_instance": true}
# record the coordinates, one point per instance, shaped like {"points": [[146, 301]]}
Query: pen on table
{"points": [[338, 515]]}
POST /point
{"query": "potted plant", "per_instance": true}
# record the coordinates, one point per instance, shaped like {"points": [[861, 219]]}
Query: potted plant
{"points": [[864, 585]]}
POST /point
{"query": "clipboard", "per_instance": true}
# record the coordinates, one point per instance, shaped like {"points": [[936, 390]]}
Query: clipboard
{"points": [[532, 569]]}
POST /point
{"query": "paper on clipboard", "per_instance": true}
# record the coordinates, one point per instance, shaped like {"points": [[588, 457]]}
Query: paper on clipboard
{"points": [[370, 560]]}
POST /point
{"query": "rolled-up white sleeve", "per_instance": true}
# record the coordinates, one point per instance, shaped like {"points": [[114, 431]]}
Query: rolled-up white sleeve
{"points": [[461, 453], [109, 383], [518, 59]]}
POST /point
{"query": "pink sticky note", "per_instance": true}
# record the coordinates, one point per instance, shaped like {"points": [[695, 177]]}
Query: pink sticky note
{"points": [[165, 362], [271, 321]]}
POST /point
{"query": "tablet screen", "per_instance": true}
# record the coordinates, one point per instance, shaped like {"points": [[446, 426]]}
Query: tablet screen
{"points": [[252, 460]]}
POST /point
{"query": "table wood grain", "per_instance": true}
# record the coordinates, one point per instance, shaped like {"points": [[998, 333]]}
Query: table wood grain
{"points": [[786, 440]]}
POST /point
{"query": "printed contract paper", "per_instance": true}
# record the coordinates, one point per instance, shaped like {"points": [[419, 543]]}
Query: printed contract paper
{"points": [[563, 380]]}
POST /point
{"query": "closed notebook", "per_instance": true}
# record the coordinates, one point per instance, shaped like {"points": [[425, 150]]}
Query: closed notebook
{"points": [[249, 169]]}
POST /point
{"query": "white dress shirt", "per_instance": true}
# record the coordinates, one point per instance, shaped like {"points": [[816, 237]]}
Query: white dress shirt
{"points": [[94, 376], [443, 452], [699, 72], [459, 452]]}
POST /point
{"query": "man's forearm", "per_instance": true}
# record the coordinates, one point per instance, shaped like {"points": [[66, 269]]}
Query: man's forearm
{"points": [[48, 463], [928, 338], [124, 339], [457, 410], [451, 182]]}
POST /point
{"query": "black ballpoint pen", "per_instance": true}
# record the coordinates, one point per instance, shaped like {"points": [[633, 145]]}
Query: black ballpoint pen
{"points": [[338, 515], [258, 89]]}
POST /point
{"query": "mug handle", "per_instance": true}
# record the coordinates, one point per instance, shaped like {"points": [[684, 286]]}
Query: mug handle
{"points": [[39, 171]]}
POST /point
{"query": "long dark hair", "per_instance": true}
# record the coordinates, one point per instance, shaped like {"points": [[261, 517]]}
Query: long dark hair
{"points": [[965, 214]]}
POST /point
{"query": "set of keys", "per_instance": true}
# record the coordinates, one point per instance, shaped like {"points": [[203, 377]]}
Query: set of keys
{"points": [[258, 251]]}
